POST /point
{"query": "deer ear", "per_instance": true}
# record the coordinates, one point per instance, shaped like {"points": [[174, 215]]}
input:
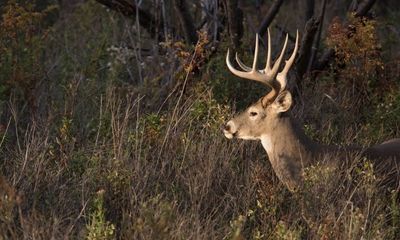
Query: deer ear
{"points": [[283, 101]]}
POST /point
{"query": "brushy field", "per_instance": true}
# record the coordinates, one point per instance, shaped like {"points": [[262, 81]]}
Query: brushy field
{"points": [[102, 141]]}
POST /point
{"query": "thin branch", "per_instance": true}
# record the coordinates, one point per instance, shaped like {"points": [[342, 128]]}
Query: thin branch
{"points": [[165, 21], [324, 60], [329, 54], [318, 39], [130, 9], [306, 46], [235, 17], [186, 21], [353, 6], [269, 17], [309, 13], [364, 7]]}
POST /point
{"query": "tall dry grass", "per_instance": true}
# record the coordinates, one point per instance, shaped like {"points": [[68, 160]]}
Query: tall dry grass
{"points": [[125, 144]]}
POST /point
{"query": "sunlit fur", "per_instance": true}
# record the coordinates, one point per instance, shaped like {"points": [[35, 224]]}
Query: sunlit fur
{"points": [[289, 150]]}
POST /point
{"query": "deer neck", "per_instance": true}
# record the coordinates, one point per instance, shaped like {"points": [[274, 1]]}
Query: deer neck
{"points": [[289, 150]]}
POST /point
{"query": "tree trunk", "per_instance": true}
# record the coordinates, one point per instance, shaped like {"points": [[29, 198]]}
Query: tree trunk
{"points": [[329, 54], [186, 21], [306, 48], [274, 9], [235, 18], [129, 9], [364, 7], [309, 13]]}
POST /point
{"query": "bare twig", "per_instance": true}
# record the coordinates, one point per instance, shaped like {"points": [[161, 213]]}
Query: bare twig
{"points": [[131, 10], [165, 21], [309, 13], [318, 39], [235, 16], [324, 60], [364, 7], [5, 133], [174, 112], [328, 55], [274, 9], [306, 45], [186, 21]]}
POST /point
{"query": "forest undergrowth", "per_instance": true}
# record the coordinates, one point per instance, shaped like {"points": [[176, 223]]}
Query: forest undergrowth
{"points": [[106, 134]]}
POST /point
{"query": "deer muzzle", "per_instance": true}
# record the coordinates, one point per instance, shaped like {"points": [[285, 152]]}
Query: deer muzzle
{"points": [[230, 130]]}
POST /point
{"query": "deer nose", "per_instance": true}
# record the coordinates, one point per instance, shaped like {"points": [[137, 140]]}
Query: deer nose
{"points": [[226, 127], [229, 130]]}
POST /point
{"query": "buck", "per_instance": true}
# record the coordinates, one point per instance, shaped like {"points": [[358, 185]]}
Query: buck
{"points": [[288, 148]]}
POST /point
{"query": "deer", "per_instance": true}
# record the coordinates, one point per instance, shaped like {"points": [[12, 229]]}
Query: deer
{"points": [[290, 151]]}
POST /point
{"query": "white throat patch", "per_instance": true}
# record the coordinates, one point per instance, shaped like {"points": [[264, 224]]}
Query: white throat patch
{"points": [[267, 144]]}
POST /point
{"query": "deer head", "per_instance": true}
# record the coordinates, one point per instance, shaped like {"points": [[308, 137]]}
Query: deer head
{"points": [[288, 147], [263, 116]]}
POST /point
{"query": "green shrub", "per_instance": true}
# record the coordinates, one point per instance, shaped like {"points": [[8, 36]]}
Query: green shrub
{"points": [[98, 227], [23, 38]]}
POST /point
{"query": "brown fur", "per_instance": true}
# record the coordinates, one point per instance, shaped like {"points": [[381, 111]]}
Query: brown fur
{"points": [[290, 151]]}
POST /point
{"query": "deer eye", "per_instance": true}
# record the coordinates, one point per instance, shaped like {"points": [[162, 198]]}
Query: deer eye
{"points": [[252, 114]]}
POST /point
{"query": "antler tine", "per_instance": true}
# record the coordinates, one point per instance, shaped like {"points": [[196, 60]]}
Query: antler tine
{"points": [[279, 60], [267, 75], [281, 77], [233, 70], [268, 64], [250, 73], [241, 64], [255, 54]]}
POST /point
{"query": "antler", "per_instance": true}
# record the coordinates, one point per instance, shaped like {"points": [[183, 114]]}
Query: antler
{"points": [[266, 75], [281, 77]]}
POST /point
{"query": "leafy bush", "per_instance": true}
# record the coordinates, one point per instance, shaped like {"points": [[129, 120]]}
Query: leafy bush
{"points": [[99, 228], [357, 52], [144, 128], [23, 34]]}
